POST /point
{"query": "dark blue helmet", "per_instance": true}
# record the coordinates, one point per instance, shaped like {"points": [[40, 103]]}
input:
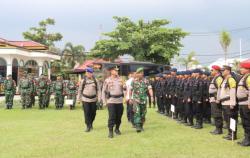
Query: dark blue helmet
{"points": [[173, 70]]}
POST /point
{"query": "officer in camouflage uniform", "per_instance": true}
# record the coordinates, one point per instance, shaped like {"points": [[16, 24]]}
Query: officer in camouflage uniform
{"points": [[49, 90], [25, 88], [42, 91], [9, 91], [33, 91], [59, 92], [139, 89], [71, 91]]}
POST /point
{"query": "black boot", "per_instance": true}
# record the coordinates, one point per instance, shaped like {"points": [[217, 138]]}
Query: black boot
{"points": [[199, 126], [229, 135], [111, 133], [117, 131], [245, 142], [217, 131], [138, 128], [87, 129]]}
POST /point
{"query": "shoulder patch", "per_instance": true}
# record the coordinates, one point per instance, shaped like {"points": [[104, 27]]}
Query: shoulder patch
{"points": [[248, 82], [232, 82], [219, 81]]}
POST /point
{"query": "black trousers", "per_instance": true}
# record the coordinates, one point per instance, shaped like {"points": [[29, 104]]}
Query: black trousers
{"points": [[230, 113], [198, 110], [189, 114], [167, 105], [130, 112], [151, 101], [115, 115], [216, 113], [89, 109], [207, 110], [160, 104], [245, 118]]}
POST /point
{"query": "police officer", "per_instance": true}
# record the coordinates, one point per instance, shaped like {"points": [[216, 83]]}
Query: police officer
{"points": [[129, 106], [42, 91], [89, 94], [160, 93], [152, 83], [172, 87], [188, 111], [227, 96], [25, 89], [59, 91], [112, 96], [9, 91], [206, 103], [167, 101], [216, 107], [197, 96], [140, 87], [243, 95], [71, 91], [100, 83]]}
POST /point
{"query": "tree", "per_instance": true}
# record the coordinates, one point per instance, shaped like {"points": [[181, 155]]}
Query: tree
{"points": [[189, 61], [39, 34], [145, 41], [236, 65], [225, 41], [73, 54]]}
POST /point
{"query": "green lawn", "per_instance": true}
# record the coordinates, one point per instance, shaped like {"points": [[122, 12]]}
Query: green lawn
{"points": [[60, 134]]}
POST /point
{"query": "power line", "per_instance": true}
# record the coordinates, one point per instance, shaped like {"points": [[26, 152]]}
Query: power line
{"points": [[219, 54], [217, 32], [207, 62]]}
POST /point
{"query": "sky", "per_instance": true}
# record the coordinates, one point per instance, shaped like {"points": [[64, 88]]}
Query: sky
{"points": [[83, 21]]}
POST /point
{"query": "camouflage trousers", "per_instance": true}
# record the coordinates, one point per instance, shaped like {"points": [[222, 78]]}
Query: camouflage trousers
{"points": [[42, 100], [47, 100], [9, 99], [59, 100], [140, 111], [26, 99]]}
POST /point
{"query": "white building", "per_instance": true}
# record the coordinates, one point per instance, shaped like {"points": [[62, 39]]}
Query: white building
{"points": [[19, 56]]}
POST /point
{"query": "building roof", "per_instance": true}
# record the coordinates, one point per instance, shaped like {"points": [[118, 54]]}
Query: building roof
{"points": [[30, 45], [26, 43]]}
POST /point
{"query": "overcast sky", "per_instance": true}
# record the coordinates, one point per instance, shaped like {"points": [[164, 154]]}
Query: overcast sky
{"points": [[82, 21]]}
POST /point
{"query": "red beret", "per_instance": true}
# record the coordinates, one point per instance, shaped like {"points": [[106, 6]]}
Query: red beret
{"points": [[245, 64], [215, 67]]}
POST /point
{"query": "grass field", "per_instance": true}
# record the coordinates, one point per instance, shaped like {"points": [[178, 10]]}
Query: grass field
{"points": [[36, 133]]}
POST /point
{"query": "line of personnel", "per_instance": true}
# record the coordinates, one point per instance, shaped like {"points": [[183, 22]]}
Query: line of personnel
{"points": [[42, 87], [197, 95]]}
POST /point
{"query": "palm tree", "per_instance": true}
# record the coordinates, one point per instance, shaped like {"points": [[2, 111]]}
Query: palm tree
{"points": [[189, 61], [73, 54], [225, 41]]}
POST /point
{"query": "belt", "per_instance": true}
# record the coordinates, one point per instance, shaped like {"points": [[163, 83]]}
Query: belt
{"points": [[242, 99], [116, 96], [90, 97], [225, 99]]}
